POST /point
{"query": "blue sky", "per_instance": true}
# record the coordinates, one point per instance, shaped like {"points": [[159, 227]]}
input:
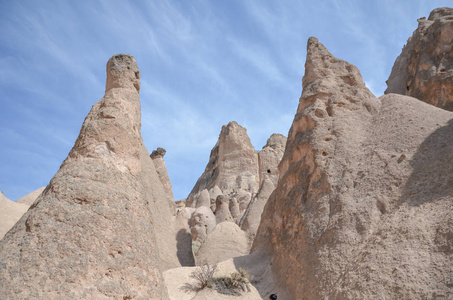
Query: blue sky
{"points": [[202, 63]]}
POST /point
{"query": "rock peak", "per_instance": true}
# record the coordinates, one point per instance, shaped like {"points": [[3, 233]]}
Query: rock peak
{"points": [[439, 13], [158, 152], [122, 72]]}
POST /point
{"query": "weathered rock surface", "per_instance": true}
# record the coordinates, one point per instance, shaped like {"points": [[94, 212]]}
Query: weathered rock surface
{"points": [[232, 180], [362, 209], [158, 159], [202, 223], [270, 156], [252, 217], [10, 213], [424, 69], [227, 240], [233, 164], [222, 210], [31, 197], [92, 232]]}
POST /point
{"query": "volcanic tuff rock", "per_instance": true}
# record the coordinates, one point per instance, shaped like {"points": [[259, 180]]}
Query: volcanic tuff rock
{"points": [[270, 156], [92, 232], [31, 197], [362, 209], [10, 213], [227, 240], [158, 159], [424, 69], [233, 164], [231, 181]]}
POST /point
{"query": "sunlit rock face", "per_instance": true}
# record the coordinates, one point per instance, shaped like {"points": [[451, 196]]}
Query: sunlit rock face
{"points": [[362, 209], [92, 233], [424, 69]]}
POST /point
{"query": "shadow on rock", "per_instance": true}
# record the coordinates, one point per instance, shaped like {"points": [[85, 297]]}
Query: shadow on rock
{"points": [[432, 175], [184, 246]]}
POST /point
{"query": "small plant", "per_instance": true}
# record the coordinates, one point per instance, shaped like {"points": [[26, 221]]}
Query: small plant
{"points": [[229, 285], [232, 285], [204, 275]]}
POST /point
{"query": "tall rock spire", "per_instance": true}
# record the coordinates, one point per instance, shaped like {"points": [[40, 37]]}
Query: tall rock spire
{"points": [[91, 233], [363, 201]]}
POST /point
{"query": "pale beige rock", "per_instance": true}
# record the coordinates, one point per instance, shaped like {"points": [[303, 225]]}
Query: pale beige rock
{"points": [[233, 164], [227, 240], [362, 209], [158, 159], [31, 197], [270, 156], [10, 213], [252, 217], [222, 210], [424, 69], [214, 193], [92, 233], [204, 199], [202, 223], [234, 208]]}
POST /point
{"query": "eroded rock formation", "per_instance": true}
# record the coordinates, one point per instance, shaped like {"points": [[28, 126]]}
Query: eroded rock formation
{"points": [[93, 232], [424, 69], [236, 172], [362, 209], [158, 159], [233, 165]]}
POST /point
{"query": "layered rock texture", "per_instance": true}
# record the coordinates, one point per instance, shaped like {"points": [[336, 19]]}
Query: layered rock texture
{"points": [[362, 209], [424, 69], [93, 233]]}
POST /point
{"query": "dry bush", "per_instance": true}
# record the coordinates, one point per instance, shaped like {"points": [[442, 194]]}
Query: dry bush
{"points": [[204, 275]]}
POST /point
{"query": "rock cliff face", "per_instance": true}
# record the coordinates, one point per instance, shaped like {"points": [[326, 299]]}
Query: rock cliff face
{"points": [[424, 69], [362, 209], [92, 232]]}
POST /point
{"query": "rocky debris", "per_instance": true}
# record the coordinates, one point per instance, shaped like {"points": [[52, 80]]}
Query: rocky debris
{"points": [[270, 156], [227, 240], [93, 232], [31, 197], [10, 213], [158, 159], [424, 69], [362, 209]]}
